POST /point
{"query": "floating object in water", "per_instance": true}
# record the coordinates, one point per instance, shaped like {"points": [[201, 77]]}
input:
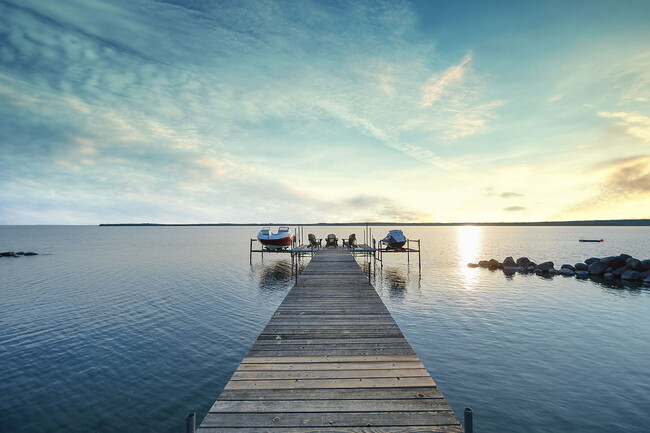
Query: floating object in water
{"points": [[394, 239], [275, 241], [591, 240]]}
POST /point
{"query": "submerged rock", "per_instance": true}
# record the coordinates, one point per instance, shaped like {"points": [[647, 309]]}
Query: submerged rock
{"points": [[581, 267], [567, 266], [591, 260], [472, 265], [582, 274], [483, 263]]}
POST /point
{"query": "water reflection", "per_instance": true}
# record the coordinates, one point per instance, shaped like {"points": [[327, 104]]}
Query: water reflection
{"points": [[469, 242], [274, 276], [396, 281]]}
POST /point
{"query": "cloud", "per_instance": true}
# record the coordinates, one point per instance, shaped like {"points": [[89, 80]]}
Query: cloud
{"points": [[634, 124], [439, 85], [514, 209], [555, 98], [622, 180], [510, 194]]}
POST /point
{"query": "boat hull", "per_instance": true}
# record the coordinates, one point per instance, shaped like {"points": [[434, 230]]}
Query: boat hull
{"points": [[275, 244]]}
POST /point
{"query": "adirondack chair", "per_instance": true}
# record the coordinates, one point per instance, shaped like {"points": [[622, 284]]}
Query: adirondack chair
{"points": [[313, 242], [332, 240]]}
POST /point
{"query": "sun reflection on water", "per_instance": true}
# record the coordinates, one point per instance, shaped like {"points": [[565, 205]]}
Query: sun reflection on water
{"points": [[469, 242]]}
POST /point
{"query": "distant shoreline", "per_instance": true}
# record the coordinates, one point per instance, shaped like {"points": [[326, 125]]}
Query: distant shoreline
{"points": [[590, 223]]}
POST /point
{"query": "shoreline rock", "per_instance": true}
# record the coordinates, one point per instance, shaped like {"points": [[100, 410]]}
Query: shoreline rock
{"points": [[616, 270]]}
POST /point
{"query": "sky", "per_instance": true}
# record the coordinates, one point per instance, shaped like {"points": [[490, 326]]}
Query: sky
{"points": [[202, 111]]}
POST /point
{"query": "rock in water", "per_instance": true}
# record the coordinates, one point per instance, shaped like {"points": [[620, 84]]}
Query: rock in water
{"points": [[523, 261], [582, 274], [510, 270], [493, 264], [483, 263], [631, 276], [509, 262], [545, 267], [567, 272], [591, 260], [597, 268], [567, 266], [614, 261], [581, 267], [634, 264], [472, 265], [644, 266]]}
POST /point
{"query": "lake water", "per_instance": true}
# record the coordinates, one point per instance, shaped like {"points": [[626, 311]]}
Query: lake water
{"points": [[130, 328]]}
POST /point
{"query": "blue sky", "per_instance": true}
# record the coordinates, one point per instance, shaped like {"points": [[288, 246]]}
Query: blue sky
{"points": [[186, 111]]}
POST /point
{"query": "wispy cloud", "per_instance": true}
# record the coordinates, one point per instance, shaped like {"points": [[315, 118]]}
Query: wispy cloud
{"points": [[514, 209], [439, 85], [634, 124], [510, 194], [621, 180]]}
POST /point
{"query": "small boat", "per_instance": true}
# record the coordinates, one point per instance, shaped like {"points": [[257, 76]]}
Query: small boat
{"points": [[275, 241], [591, 240], [394, 239]]}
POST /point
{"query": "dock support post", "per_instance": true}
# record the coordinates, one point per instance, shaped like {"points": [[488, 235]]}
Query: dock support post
{"points": [[190, 423], [419, 257], [296, 271], [469, 420], [369, 270], [250, 252]]}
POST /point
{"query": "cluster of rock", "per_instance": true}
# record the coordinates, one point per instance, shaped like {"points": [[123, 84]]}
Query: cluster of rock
{"points": [[18, 254], [624, 267]]}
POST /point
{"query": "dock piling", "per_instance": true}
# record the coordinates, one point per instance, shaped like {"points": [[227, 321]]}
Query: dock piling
{"points": [[190, 423], [469, 420], [296, 271]]}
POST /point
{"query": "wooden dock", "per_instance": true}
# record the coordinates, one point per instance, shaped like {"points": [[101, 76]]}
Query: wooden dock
{"points": [[331, 359]]}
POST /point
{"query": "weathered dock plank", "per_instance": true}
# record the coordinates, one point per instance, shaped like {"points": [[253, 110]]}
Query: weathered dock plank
{"points": [[331, 359]]}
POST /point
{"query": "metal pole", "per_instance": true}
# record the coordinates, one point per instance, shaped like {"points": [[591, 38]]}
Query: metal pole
{"points": [[469, 420], [374, 253], [368, 271], [419, 257], [408, 251], [296, 271], [250, 252], [190, 423]]}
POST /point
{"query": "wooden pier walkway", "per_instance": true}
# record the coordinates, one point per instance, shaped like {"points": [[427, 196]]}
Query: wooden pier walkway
{"points": [[331, 359]]}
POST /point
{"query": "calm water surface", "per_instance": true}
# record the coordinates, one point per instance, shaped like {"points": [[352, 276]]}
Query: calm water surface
{"points": [[128, 329]]}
